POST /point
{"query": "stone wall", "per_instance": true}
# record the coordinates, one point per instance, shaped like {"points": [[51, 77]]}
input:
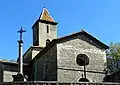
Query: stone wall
{"points": [[7, 69], [7, 76], [69, 70], [45, 66], [43, 35]]}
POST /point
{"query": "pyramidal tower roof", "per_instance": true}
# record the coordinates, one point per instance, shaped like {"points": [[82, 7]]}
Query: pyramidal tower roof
{"points": [[45, 15]]}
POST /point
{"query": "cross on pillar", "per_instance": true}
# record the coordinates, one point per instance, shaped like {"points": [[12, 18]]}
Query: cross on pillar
{"points": [[20, 51], [21, 32], [20, 76]]}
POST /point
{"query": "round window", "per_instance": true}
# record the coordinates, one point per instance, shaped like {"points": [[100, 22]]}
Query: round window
{"points": [[82, 59]]}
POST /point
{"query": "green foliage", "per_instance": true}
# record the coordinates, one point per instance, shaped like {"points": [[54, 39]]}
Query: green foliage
{"points": [[113, 58]]}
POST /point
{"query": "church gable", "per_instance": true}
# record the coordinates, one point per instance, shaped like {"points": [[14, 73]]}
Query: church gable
{"points": [[86, 37], [69, 47]]}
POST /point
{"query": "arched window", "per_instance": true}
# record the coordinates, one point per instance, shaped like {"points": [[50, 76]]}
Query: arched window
{"points": [[47, 41]]}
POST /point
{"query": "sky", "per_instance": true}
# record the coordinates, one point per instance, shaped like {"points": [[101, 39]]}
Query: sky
{"points": [[100, 18]]}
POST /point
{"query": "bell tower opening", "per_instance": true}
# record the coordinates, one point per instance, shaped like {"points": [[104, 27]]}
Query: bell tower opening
{"points": [[47, 29], [44, 29]]}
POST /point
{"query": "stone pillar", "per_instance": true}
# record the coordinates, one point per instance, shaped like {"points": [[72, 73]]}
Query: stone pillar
{"points": [[20, 76], [20, 57]]}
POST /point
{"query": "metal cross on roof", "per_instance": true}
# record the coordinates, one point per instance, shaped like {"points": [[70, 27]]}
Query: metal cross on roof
{"points": [[21, 32]]}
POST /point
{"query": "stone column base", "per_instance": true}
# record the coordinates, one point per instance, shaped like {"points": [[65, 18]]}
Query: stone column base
{"points": [[18, 77]]}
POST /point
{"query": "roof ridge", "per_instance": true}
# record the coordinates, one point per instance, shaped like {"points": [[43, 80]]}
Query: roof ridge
{"points": [[84, 33]]}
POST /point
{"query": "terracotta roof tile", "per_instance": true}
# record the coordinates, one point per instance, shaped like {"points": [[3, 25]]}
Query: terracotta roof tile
{"points": [[46, 16]]}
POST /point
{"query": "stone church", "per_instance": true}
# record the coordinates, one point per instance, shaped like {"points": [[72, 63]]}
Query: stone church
{"points": [[71, 58]]}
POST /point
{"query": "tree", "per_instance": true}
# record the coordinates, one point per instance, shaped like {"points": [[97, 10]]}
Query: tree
{"points": [[113, 58]]}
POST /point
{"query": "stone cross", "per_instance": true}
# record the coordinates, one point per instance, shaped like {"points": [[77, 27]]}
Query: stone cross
{"points": [[20, 51], [21, 32]]}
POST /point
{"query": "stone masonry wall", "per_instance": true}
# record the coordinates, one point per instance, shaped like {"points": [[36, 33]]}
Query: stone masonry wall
{"points": [[43, 35], [67, 52], [45, 66], [7, 70]]}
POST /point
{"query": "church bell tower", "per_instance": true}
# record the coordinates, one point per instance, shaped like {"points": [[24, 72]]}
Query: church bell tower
{"points": [[44, 29]]}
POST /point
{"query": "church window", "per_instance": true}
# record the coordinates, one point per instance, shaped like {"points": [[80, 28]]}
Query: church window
{"points": [[47, 29], [47, 41], [82, 59]]}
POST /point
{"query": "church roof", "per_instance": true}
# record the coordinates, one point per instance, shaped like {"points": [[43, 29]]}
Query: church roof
{"points": [[8, 61], [45, 15], [92, 40], [11, 62]]}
